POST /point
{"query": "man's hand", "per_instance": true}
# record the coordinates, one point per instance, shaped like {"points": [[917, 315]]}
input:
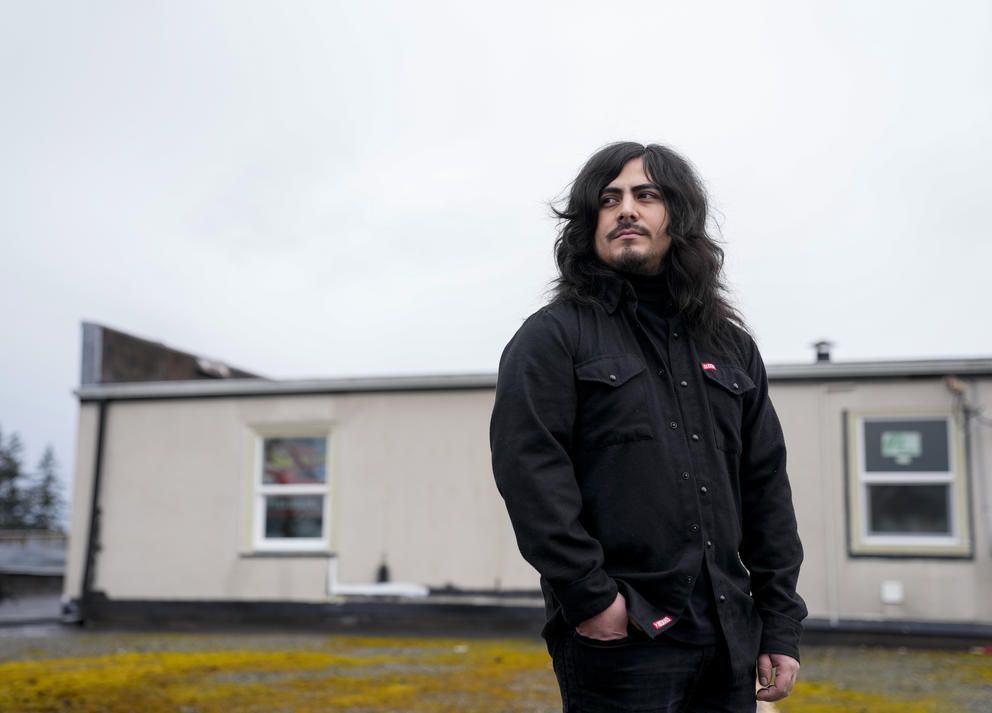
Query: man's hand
{"points": [[786, 670], [609, 624]]}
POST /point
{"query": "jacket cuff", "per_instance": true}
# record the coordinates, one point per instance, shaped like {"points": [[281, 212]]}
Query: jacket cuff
{"points": [[780, 634], [586, 597]]}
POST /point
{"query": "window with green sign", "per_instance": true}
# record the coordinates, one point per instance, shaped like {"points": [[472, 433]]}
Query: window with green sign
{"points": [[906, 490]]}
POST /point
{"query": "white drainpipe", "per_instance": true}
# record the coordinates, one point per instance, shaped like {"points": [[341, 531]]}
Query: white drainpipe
{"points": [[372, 589]]}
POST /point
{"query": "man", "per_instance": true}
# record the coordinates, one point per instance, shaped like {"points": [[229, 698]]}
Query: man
{"points": [[641, 461]]}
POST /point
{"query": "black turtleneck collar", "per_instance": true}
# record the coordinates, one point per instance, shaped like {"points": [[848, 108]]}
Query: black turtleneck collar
{"points": [[650, 289], [647, 289], [652, 293]]}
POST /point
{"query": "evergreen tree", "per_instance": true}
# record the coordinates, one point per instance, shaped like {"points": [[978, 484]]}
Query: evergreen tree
{"points": [[45, 497], [12, 501], [26, 502]]}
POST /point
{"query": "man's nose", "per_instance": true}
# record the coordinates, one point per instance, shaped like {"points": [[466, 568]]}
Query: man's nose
{"points": [[628, 210]]}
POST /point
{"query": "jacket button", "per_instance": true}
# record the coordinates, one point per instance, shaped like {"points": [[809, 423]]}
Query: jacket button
{"points": [[695, 436], [673, 425], [694, 528], [613, 377], [675, 334], [703, 490], [688, 580], [723, 598], [683, 384], [709, 544], [685, 476], [661, 372], [736, 386]]}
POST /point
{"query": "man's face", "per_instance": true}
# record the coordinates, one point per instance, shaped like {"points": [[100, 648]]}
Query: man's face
{"points": [[632, 232]]}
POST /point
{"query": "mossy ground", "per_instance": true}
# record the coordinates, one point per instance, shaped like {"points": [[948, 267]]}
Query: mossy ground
{"points": [[103, 672], [885, 680], [209, 674]]}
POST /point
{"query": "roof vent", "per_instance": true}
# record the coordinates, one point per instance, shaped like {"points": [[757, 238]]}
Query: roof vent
{"points": [[822, 350], [214, 369]]}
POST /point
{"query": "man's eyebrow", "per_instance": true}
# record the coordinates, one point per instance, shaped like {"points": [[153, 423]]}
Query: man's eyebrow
{"points": [[613, 190]]}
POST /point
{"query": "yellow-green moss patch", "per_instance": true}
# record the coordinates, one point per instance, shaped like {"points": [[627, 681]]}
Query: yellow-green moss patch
{"points": [[284, 673], [348, 674]]}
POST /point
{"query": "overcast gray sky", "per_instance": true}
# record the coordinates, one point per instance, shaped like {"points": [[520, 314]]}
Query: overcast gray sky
{"points": [[330, 188]]}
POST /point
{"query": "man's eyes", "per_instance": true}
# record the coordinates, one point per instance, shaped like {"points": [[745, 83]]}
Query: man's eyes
{"points": [[643, 196]]}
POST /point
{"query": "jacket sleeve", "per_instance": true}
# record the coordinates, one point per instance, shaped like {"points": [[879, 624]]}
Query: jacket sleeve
{"points": [[770, 547], [530, 436]]}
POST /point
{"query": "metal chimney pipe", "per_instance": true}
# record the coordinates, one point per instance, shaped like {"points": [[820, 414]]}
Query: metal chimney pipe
{"points": [[822, 350]]}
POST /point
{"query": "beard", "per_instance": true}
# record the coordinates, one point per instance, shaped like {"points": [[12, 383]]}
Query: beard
{"points": [[634, 262]]}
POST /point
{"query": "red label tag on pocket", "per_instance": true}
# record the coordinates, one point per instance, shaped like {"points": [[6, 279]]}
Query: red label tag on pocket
{"points": [[661, 622], [707, 366]]}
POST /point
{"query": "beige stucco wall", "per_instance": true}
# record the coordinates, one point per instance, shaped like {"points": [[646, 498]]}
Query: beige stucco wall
{"points": [[837, 585], [412, 484]]}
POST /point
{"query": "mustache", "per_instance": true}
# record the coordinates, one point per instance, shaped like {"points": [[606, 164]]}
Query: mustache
{"points": [[626, 227]]}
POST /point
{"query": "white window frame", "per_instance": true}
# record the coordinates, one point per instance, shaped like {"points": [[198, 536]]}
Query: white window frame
{"points": [[955, 544], [261, 543]]}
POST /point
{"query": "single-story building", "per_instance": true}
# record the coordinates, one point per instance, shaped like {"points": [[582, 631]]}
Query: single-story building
{"points": [[31, 566], [221, 494]]}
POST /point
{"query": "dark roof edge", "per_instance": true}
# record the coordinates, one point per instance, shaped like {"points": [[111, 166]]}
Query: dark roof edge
{"points": [[460, 382], [880, 369], [288, 387]]}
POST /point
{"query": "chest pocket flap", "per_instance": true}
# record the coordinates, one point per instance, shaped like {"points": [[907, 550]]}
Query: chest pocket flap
{"points": [[730, 378], [610, 370], [612, 403]]}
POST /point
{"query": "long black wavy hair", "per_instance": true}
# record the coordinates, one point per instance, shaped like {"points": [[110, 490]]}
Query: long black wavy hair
{"points": [[693, 265]]}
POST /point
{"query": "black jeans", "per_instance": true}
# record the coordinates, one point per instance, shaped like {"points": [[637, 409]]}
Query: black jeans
{"points": [[647, 675]]}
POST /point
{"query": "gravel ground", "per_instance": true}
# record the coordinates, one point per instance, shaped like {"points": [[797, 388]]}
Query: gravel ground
{"points": [[422, 674]]}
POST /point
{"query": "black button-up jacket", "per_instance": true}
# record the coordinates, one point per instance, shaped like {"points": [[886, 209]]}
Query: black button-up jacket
{"points": [[621, 473]]}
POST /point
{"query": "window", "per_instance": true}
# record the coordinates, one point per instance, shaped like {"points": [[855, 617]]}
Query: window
{"points": [[906, 489], [292, 492]]}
